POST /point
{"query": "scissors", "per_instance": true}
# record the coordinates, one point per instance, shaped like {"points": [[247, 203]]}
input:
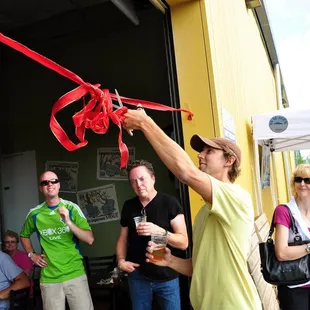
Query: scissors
{"points": [[120, 105], [118, 98]]}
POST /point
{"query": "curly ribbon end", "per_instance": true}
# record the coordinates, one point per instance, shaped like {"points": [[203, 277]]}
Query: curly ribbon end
{"points": [[190, 116]]}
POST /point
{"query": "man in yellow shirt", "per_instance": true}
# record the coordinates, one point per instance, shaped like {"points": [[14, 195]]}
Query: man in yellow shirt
{"points": [[221, 235]]}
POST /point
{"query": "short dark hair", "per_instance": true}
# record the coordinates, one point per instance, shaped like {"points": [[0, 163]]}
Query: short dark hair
{"points": [[12, 234], [141, 163]]}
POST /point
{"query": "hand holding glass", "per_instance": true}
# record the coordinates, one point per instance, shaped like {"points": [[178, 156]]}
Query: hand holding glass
{"points": [[158, 246], [140, 219]]}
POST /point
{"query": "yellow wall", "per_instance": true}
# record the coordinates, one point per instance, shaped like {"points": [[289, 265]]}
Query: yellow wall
{"points": [[222, 62], [193, 78]]}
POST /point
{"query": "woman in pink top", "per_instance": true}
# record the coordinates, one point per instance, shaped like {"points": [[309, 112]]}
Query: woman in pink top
{"points": [[20, 258], [294, 297]]}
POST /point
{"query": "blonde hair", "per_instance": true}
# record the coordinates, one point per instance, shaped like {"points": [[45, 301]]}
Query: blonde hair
{"points": [[302, 170]]}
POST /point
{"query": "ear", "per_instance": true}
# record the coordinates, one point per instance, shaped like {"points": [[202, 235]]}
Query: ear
{"points": [[230, 161]]}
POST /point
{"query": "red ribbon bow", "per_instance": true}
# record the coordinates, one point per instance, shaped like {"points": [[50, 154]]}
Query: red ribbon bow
{"points": [[96, 113]]}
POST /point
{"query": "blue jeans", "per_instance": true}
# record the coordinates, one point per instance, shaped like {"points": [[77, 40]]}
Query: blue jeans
{"points": [[141, 292]]}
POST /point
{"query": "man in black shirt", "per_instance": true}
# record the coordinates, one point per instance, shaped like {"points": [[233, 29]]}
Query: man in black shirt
{"points": [[164, 216]]}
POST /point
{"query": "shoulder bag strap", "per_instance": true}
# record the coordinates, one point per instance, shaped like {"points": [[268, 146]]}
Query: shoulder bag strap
{"points": [[293, 223]]}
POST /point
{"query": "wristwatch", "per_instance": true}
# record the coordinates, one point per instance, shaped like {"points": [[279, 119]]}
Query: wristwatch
{"points": [[31, 254], [308, 248]]}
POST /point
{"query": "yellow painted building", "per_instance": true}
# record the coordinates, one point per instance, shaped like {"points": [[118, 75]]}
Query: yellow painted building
{"points": [[224, 67]]}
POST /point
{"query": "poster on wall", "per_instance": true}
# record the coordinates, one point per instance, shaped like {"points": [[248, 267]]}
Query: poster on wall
{"points": [[67, 173], [99, 204], [108, 163]]}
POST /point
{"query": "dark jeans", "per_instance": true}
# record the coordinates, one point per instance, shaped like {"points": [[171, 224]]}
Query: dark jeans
{"points": [[141, 293], [294, 298]]}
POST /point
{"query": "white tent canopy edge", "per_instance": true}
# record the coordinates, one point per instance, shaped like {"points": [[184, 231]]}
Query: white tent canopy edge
{"points": [[283, 130]]}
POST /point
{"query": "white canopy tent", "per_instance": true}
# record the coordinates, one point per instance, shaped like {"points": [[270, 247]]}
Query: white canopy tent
{"points": [[280, 131], [283, 130]]}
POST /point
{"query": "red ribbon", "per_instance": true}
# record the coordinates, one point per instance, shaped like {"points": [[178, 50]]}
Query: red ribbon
{"points": [[96, 113]]}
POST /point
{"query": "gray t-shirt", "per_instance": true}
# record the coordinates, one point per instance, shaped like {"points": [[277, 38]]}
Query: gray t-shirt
{"points": [[8, 272]]}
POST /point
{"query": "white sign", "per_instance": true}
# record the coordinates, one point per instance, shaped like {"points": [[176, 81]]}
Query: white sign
{"points": [[99, 204], [229, 126]]}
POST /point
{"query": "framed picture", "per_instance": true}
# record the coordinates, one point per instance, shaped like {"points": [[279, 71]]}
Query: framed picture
{"points": [[108, 163], [99, 204]]}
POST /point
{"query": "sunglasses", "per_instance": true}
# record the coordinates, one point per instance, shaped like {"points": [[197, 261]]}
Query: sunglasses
{"points": [[47, 182], [300, 179]]}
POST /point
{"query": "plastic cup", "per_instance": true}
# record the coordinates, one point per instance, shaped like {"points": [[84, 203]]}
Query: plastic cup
{"points": [[140, 219], [159, 245]]}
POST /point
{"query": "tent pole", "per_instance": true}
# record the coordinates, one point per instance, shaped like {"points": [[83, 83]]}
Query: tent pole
{"points": [[257, 180], [273, 183], [288, 175]]}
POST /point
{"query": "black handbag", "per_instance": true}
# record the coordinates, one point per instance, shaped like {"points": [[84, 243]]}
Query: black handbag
{"points": [[291, 272]]}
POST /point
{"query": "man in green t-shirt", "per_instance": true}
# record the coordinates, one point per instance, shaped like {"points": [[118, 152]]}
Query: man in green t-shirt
{"points": [[223, 226], [59, 225]]}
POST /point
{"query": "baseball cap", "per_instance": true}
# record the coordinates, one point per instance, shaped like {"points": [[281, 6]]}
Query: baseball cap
{"points": [[198, 143]]}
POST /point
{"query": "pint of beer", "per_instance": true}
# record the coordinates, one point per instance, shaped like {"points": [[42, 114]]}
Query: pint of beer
{"points": [[159, 244]]}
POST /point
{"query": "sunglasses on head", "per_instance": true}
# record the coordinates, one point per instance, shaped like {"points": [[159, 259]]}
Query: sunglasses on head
{"points": [[300, 179], [47, 182]]}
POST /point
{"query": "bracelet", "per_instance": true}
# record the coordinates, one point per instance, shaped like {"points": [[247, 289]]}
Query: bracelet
{"points": [[167, 233]]}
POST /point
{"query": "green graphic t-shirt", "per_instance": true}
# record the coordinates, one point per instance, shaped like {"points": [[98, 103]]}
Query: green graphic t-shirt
{"points": [[58, 243]]}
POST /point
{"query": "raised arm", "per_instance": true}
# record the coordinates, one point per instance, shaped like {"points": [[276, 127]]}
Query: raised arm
{"points": [[172, 155], [82, 234]]}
